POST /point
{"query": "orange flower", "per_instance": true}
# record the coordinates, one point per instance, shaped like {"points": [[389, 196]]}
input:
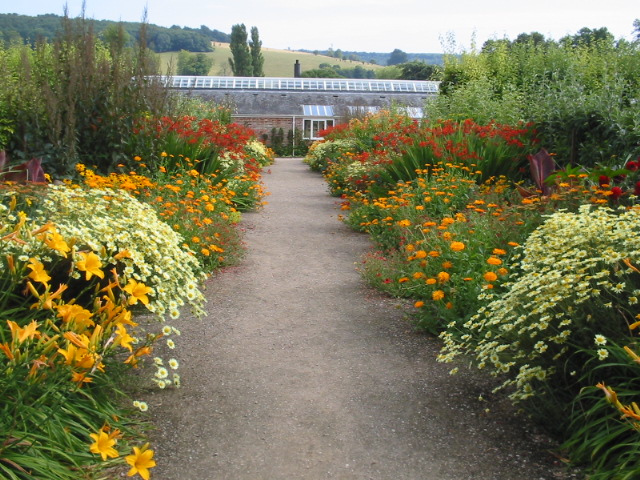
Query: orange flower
{"points": [[419, 304], [457, 246], [403, 280], [430, 281], [443, 277], [437, 295], [490, 277], [494, 261], [499, 251]]}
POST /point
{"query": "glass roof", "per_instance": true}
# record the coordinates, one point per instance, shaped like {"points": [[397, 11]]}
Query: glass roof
{"points": [[317, 110], [317, 84]]}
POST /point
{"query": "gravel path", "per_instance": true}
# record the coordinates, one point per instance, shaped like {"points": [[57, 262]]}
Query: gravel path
{"points": [[300, 371]]}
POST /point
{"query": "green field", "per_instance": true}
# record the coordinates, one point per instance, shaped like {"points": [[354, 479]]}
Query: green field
{"points": [[277, 63]]}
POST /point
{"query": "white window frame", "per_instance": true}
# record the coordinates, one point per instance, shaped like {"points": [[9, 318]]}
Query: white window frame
{"points": [[311, 126]]}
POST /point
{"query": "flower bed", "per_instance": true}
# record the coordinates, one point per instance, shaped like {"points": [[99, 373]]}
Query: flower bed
{"points": [[81, 261], [535, 282]]}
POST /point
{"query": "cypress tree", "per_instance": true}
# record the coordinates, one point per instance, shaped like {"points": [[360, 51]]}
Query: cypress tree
{"points": [[257, 59], [241, 64]]}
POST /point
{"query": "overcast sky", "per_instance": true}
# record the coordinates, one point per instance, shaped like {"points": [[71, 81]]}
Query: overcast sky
{"points": [[362, 25]]}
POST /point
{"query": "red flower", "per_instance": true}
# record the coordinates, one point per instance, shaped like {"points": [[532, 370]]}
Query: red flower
{"points": [[632, 166], [636, 190], [616, 193], [603, 180]]}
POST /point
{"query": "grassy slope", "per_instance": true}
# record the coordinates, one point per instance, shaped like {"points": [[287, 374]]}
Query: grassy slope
{"points": [[277, 63]]}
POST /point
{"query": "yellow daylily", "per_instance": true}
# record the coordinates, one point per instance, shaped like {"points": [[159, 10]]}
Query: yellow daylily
{"points": [[38, 273], [103, 445], [91, 264], [141, 461], [138, 292]]}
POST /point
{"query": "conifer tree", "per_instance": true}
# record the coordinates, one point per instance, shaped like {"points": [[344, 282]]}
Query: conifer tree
{"points": [[257, 59], [241, 63]]}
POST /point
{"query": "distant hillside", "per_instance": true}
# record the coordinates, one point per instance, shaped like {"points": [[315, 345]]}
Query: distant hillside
{"points": [[382, 58], [27, 29], [277, 63]]}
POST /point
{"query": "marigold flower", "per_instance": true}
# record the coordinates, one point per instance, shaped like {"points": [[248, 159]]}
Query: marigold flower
{"points": [[490, 277], [457, 246], [499, 251], [437, 295], [494, 261], [403, 280], [443, 277], [431, 281], [419, 304]]}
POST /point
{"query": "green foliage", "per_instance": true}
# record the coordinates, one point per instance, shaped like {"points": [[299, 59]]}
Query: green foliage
{"points": [[597, 436], [257, 59], [76, 99], [420, 71], [193, 63], [321, 154], [18, 29], [241, 63], [579, 92], [397, 57]]}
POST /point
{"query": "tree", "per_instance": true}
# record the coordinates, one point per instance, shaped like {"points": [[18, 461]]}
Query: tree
{"points": [[397, 57], [636, 28], [417, 70], [241, 63], [590, 38], [116, 37], [257, 59], [535, 38], [193, 63]]}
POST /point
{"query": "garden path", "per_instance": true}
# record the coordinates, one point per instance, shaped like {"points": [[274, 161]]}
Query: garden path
{"points": [[300, 371]]}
